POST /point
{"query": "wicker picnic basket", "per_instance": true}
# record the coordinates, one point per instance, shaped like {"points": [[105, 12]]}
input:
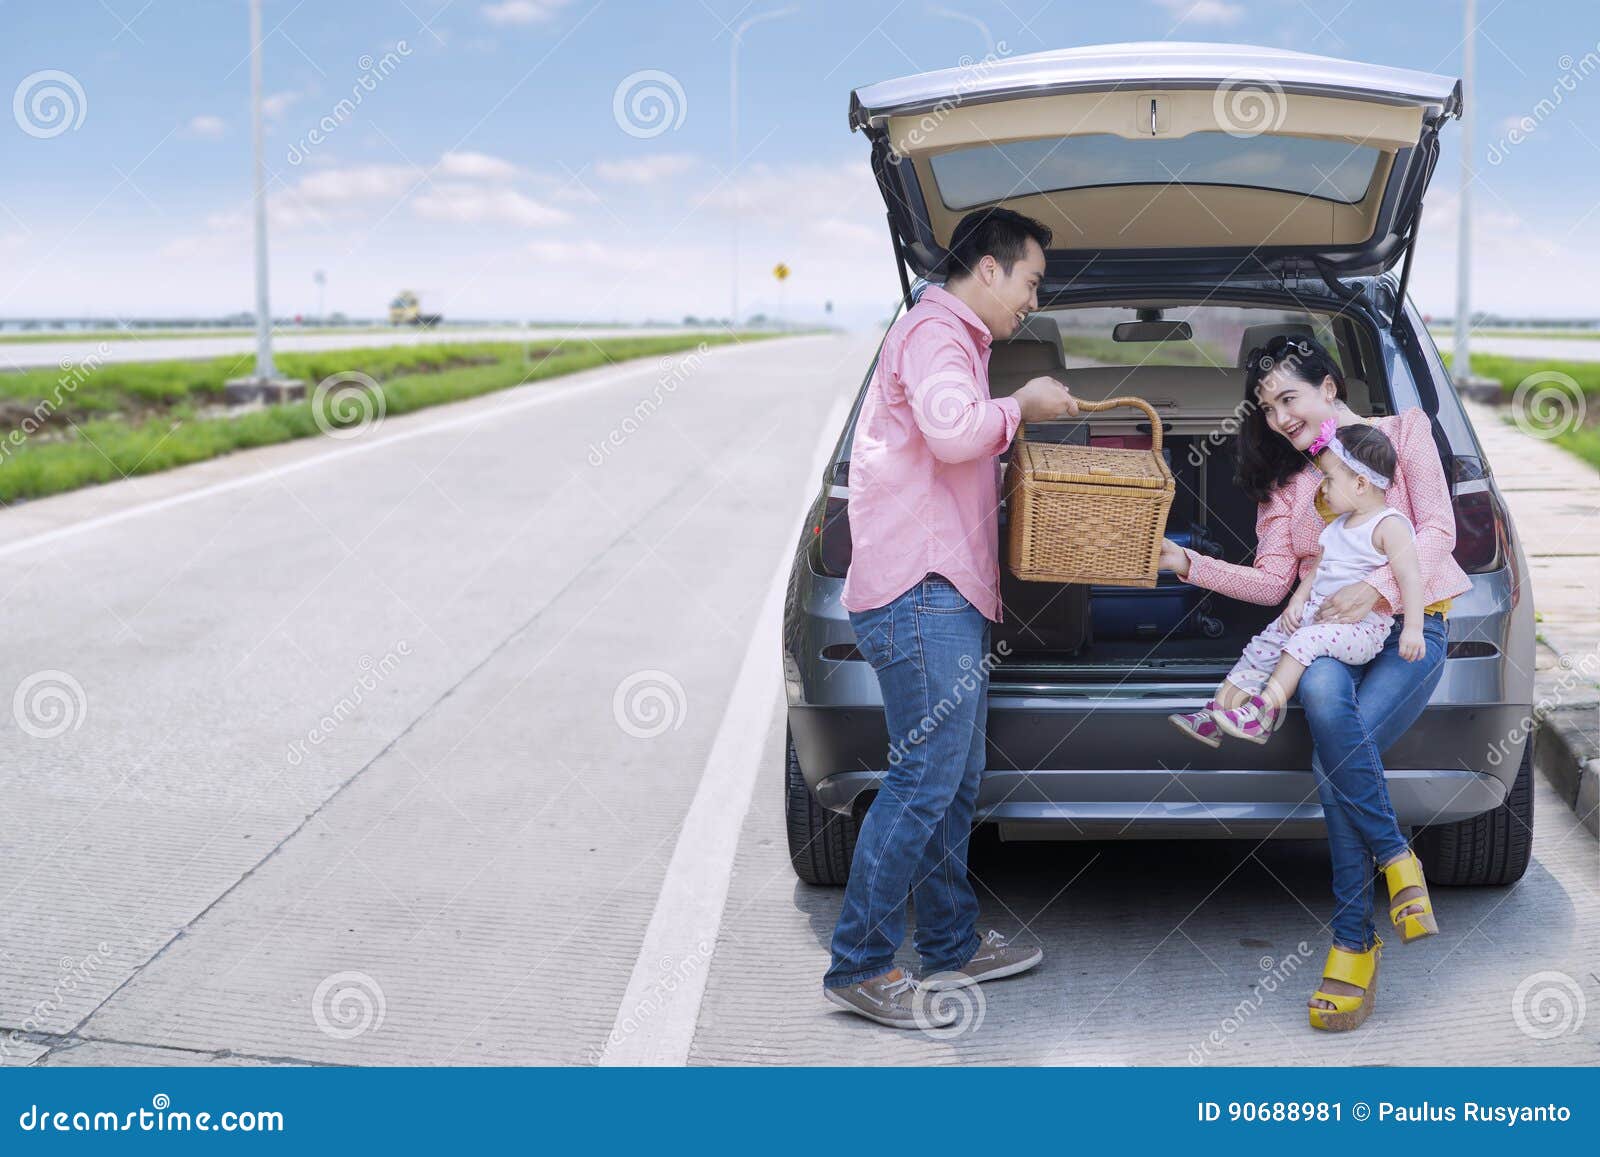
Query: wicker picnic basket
{"points": [[1088, 514]]}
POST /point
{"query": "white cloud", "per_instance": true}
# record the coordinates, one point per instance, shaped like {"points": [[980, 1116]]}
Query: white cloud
{"points": [[475, 166], [565, 252], [356, 184], [206, 126], [644, 170], [1517, 268], [848, 232], [274, 105], [1203, 11], [662, 253], [803, 195], [572, 190], [522, 11], [474, 204], [357, 196]]}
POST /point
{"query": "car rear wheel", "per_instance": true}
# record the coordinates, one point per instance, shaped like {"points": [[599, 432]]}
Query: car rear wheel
{"points": [[821, 842], [1493, 848]]}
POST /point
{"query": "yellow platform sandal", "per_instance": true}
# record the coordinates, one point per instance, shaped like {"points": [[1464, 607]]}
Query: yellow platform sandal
{"points": [[1357, 968], [1407, 873]]}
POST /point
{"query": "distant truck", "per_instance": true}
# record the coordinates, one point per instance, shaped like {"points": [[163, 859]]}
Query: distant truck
{"points": [[405, 309]]}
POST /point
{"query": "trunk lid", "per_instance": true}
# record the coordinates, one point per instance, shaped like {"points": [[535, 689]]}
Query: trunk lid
{"points": [[1220, 162]]}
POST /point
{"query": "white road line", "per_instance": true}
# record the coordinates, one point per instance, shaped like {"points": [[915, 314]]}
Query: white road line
{"points": [[656, 1020], [541, 393]]}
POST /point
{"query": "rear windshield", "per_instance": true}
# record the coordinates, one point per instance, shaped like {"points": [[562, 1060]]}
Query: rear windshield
{"points": [[1330, 170], [1220, 335]]}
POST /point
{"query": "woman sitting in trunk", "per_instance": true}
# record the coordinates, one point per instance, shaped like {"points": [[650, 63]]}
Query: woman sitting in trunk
{"points": [[1293, 386], [1357, 465]]}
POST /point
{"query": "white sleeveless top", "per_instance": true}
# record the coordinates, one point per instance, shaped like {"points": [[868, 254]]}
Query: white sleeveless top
{"points": [[1349, 555]]}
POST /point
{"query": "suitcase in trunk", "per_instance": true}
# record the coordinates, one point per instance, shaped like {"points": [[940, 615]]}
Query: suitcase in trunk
{"points": [[1170, 609]]}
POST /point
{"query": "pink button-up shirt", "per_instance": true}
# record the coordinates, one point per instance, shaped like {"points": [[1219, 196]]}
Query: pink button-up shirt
{"points": [[1288, 526], [924, 484]]}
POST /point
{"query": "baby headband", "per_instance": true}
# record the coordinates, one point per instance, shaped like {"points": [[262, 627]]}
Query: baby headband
{"points": [[1327, 439]]}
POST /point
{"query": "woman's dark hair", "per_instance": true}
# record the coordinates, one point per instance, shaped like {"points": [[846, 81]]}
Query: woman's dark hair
{"points": [[1000, 233], [1264, 459], [1368, 445]]}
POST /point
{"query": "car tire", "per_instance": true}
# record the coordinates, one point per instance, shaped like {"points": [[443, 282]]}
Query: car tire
{"points": [[1493, 848], [821, 842]]}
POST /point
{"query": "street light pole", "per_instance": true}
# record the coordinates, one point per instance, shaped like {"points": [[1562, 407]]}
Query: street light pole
{"points": [[1461, 363], [265, 385], [264, 368], [733, 137]]}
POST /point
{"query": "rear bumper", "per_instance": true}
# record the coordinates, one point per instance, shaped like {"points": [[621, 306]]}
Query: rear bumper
{"points": [[1123, 771], [1130, 804]]}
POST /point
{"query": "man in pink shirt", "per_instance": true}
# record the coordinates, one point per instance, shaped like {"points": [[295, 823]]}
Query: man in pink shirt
{"points": [[921, 592]]}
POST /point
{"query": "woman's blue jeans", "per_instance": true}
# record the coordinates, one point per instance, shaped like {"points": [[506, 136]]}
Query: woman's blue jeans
{"points": [[1355, 713], [930, 649]]}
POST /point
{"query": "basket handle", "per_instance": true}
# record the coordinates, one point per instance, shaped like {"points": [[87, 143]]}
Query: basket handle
{"points": [[1112, 403]]}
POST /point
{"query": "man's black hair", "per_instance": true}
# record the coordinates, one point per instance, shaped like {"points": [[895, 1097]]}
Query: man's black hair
{"points": [[999, 233]]}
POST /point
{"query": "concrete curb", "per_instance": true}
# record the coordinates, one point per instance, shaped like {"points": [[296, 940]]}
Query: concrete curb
{"points": [[1566, 749]]}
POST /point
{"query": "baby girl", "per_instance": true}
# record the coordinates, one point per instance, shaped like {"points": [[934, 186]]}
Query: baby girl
{"points": [[1357, 462]]}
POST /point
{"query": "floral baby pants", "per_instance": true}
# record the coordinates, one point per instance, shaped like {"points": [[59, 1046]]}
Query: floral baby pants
{"points": [[1353, 643]]}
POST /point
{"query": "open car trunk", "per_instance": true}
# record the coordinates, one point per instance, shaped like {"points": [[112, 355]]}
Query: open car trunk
{"points": [[1054, 632], [1058, 633]]}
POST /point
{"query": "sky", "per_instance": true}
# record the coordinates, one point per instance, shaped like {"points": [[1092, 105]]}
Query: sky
{"points": [[575, 160]]}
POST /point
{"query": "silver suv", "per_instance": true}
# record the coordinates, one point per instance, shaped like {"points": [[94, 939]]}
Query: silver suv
{"points": [[1244, 192]]}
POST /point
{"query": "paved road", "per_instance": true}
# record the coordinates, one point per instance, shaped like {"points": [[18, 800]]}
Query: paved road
{"points": [[379, 752], [21, 355]]}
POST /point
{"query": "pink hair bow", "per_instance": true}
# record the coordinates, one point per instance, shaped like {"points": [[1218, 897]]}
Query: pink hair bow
{"points": [[1325, 434]]}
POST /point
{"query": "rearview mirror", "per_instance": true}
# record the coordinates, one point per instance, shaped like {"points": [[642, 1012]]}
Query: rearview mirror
{"points": [[1152, 331]]}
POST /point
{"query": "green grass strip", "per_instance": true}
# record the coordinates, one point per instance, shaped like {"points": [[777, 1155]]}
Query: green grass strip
{"points": [[140, 418]]}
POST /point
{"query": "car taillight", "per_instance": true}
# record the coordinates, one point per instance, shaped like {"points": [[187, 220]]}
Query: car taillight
{"points": [[831, 531], [1481, 542]]}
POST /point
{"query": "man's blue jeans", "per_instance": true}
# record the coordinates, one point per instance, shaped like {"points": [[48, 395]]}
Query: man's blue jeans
{"points": [[1355, 713], [930, 649]]}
